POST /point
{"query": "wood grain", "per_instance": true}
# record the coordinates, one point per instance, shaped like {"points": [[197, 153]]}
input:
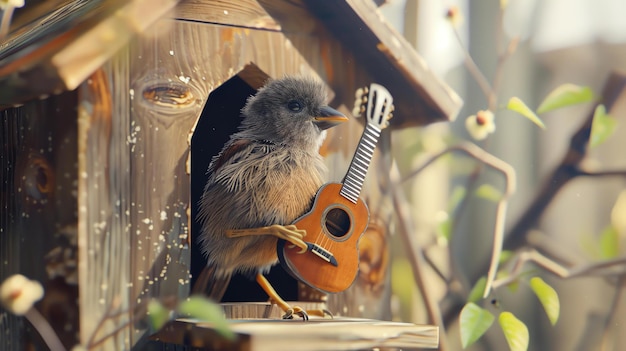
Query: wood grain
{"points": [[241, 13], [316, 334]]}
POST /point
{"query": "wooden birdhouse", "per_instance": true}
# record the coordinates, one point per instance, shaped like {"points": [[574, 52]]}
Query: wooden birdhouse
{"points": [[110, 114]]}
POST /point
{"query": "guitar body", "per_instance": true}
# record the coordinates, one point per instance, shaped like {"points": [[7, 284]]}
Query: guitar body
{"points": [[334, 226]]}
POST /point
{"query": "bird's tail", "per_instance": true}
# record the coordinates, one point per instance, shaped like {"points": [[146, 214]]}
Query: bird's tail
{"points": [[211, 283]]}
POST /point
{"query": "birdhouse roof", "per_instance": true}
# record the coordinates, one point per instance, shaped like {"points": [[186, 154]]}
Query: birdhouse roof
{"points": [[52, 49]]}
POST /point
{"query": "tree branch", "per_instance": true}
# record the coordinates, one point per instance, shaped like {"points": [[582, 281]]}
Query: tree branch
{"points": [[510, 182], [608, 173], [568, 169], [478, 75], [611, 267]]}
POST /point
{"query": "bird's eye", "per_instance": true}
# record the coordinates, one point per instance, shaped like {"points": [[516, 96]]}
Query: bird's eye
{"points": [[294, 106]]}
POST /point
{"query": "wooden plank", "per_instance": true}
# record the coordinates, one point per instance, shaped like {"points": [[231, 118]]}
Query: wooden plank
{"points": [[258, 310], [171, 76], [104, 211], [314, 335], [242, 13], [38, 236], [210, 55], [420, 96], [62, 51]]}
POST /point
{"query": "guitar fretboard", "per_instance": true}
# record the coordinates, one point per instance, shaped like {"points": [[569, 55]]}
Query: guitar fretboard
{"points": [[353, 182]]}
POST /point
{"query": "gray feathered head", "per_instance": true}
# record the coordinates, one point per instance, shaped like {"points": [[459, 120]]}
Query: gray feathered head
{"points": [[290, 110]]}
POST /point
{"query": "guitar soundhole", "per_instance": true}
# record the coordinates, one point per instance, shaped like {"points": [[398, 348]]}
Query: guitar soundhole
{"points": [[337, 222]]}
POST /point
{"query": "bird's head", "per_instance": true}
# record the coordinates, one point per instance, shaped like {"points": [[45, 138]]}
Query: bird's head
{"points": [[291, 111]]}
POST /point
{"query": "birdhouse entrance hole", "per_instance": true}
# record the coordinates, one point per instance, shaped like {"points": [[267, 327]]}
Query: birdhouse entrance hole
{"points": [[219, 119]]}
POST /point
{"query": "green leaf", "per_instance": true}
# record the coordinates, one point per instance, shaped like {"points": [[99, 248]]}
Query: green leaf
{"points": [[517, 105], [565, 95], [474, 322], [548, 297], [609, 243], [444, 229], [602, 126], [204, 310], [157, 314], [478, 290], [488, 192], [515, 331]]}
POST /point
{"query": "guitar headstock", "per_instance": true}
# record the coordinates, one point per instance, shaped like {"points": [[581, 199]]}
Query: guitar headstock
{"points": [[376, 103]]}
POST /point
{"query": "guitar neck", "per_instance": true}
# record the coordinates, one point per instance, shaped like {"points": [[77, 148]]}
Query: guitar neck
{"points": [[353, 182]]}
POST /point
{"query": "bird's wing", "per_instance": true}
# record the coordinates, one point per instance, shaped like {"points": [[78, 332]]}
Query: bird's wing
{"points": [[227, 154]]}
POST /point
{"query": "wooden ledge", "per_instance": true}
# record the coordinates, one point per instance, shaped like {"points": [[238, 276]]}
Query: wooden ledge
{"points": [[339, 333]]}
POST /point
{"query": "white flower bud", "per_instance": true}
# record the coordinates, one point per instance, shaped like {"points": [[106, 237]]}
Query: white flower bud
{"points": [[481, 124], [18, 294]]}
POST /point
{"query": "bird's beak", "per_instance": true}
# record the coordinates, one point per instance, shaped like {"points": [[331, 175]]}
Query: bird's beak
{"points": [[329, 117]]}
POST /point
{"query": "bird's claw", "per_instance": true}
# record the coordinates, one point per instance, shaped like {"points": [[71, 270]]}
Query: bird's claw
{"points": [[297, 311], [325, 313], [292, 234]]}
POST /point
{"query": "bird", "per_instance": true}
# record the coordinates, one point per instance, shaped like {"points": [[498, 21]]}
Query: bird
{"points": [[263, 179]]}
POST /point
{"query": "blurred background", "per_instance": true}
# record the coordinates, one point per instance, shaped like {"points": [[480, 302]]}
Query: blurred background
{"points": [[561, 41]]}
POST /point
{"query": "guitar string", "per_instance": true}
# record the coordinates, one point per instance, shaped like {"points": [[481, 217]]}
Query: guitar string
{"points": [[353, 183]]}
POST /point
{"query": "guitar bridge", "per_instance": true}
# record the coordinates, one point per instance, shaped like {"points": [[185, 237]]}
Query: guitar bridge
{"points": [[322, 253]]}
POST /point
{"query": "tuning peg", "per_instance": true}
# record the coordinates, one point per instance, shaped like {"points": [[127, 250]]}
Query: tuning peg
{"points": [[359, 93]]}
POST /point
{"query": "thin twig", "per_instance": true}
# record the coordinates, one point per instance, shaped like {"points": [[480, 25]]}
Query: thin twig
{"points": [[503, 56], [435, 268], [415, 254], [603, 268], [510, 182], [107, 316], [473, 69], [610, 173], [49, 336], [93, 344]]}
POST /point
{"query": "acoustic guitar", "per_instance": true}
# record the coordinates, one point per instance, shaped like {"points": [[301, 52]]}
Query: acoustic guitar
{"points": [[338, 216]]}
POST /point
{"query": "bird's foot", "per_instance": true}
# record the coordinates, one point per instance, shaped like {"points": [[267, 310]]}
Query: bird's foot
{"points": [[292, 234], [297, 310], [289, 310], [304, 314], [289, 233]]}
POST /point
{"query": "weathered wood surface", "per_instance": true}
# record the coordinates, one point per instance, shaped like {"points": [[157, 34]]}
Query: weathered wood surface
{"points": [[358, 27], [255, 310], [241, 13], [38, 213], [61, 49], [314, 335], [193, 68], [355, 45], [136, 118]]}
